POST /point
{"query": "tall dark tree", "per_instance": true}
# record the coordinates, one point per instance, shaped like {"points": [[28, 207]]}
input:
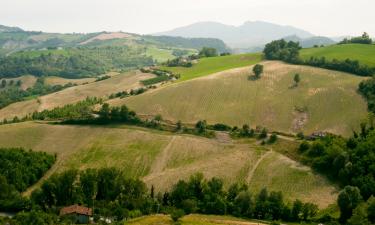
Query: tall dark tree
{"points": [[348, 199], [258, 70]]}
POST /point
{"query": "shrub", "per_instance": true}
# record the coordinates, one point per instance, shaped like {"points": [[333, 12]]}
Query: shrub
{"points": [[177, 214]]}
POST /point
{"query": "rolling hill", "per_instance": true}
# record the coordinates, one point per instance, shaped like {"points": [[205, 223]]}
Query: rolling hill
{"points": [[212, 65], [161, 158], [324, 100], [311, 41], [365, 54], [14, 39], [117, 83]]}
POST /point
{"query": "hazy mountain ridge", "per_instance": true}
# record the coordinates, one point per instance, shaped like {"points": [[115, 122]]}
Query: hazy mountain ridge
{"points": [[9, 29], [248, 35], [311, 41]]}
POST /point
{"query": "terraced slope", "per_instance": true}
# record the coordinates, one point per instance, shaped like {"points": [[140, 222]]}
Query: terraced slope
{"points": [[103, 88], [365, 54], [323, 101], [160, 159]]}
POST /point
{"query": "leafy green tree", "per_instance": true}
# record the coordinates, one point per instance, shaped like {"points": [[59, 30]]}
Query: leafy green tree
{"points": [[282, 50], [360, 216], [297, 210], [273, 138], [261, 204], [258, 70], [3, 83], [243, 204], [348, 199], [371, 209], [88, 184], [104, 112], [201, 126], [179, 125], [176, 214], [297, 79], [208, 52], [263, 134]]}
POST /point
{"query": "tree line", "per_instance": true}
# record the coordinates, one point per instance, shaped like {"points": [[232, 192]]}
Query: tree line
{"points": [[289, 52], [14, 94], [114, 195], [364, 39], [367, 90]]}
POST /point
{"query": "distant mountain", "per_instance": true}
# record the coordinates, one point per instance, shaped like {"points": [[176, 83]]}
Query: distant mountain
{"points": [[311, 41], [9, 29], [248, 35]]}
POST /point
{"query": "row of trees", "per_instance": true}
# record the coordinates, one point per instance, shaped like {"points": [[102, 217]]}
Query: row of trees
{"points": [[289, 52], [364, 39], [15, 93], [79, 110], [198, 195], [114, 195], [4, 83], [347, 65]]}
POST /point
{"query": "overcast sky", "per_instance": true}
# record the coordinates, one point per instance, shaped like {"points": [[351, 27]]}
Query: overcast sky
{"points": [[320, 17]]}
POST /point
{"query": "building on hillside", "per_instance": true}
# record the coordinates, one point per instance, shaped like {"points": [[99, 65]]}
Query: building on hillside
{"points": [[81, 214], [317, 135]]}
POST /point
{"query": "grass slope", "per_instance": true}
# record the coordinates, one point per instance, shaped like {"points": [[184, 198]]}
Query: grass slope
{"points": [[103, 88], [52, 80], [365, 54], [193, 219], [207, 66], [27, 81], [160, 159], [324, 100]]}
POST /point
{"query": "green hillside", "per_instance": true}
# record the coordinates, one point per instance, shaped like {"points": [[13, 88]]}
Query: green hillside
{"points": [[324, 100], [161, 158], [211, 65], [365, 54]]}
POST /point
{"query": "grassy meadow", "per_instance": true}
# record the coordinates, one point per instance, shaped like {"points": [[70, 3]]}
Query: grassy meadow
{"points": [[365, 54], [211, 65], [161, 158], [323, 101], [193, 219]]}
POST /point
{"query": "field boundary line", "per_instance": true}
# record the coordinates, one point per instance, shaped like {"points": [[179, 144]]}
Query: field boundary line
{"points": [[252, 171]]}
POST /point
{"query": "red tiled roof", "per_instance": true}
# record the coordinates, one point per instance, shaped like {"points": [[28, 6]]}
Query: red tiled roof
{"points": [[76, 209]]}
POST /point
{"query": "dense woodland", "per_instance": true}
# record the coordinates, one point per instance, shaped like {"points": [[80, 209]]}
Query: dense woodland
{"points": [[20, 169], [75, 62], [289, 52], [349, 162]]}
